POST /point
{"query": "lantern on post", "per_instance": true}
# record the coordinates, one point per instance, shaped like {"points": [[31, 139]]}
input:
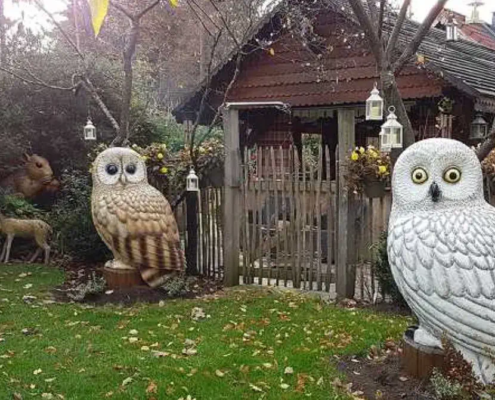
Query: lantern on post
{"points": [[192, 183], [479, 128], [89, 131], [391, 136], [374, 106]]}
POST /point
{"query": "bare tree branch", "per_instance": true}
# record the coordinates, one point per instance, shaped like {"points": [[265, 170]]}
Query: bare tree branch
{"points": [[89, 87], [199, 18], [60, 28], [147, 9], [37, 81], [369, 31], [226, 25], [380, 18], [123, 10], [397, 28], [422, 31]]}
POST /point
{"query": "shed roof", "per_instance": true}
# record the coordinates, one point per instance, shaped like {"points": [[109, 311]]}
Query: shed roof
{"points": [[350, 69]]}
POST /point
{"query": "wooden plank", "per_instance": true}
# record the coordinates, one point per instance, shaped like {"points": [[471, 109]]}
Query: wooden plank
{"points": [[293, 213], [278, 233], [299, 225], [246, 259], [319, 285], [285, 238], [259, 208], [346, 137], [268, 215], [330, 219], [232, 202], [311, 217], [304, 215]]}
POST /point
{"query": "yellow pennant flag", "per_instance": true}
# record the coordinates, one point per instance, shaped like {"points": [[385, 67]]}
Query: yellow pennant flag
{"points": [[174, 3], [99, 10]]}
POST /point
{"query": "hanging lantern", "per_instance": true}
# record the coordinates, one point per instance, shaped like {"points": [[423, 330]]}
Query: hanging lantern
{"points": [[192, 183], [479, 128], [451, 31], [89, 131], [374, 106], [391, 136]]}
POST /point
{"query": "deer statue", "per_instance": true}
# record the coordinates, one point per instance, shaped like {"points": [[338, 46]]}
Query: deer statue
{"points": [[35, 177], [30, 228]]}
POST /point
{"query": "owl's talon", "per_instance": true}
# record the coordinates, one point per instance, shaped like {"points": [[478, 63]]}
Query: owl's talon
{"points": [[426, 339]]}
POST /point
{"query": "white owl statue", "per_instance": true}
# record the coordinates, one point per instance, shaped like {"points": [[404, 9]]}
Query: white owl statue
{"points": [[441, 247]]}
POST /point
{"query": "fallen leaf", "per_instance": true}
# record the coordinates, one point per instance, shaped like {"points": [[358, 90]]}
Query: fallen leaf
{"points": [[284, 386], [189, 352], [301, 382], [126, 381], [255, 388], [288, 371], [219, 373], [133, 332], [37, 371], [403, 378], [152, 387], [28, 286], [271, 51], [51, 350], [160, 354], [47, 396], [145, 348], [17, 396], [108, 292], [133, 339], [197, 313], [267, 365], [49, 380]]}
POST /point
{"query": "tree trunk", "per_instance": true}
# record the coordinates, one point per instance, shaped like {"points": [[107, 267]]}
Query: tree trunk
{"points": [[393, 98], [123, 136], [3, 45]]}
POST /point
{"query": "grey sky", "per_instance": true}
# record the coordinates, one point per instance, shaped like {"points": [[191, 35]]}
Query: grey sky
{"points": [[420, 9]]}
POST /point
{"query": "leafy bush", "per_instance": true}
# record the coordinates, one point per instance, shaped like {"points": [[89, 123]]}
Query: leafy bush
{"points": [[17, 207], [177, 286], [445, 389], [383, 272], [72, 222]]}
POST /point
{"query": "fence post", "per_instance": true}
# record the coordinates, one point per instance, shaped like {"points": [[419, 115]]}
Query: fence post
{"points": [[232, 205], [192, 232], [344, 271]]}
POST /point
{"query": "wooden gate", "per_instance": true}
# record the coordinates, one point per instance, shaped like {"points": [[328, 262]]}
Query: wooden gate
{"points": [[288, 222]]}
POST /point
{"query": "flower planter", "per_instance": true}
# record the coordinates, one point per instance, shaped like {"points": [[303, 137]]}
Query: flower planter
{"points": [[374, 188]]}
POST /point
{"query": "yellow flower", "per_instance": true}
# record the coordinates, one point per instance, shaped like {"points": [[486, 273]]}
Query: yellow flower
{"points": [[145, 158], [163, 170], [373, 154], [361, 150], [159, 156], [354, 156], [382, 169]]}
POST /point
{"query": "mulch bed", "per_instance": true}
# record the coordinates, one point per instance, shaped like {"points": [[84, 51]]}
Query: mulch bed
{"points": [[382, 378], [76, 274]]}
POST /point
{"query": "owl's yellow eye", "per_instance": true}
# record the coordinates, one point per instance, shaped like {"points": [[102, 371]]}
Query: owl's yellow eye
{"points": [[419, 176], [452, 175]]}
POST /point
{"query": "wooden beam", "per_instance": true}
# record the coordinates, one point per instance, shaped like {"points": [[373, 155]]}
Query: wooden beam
{"points": [[232, 206], [344, 271]]}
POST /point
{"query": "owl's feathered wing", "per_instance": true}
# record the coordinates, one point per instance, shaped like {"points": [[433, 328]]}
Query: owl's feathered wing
{"points": [[444, 263], [137, 223]]}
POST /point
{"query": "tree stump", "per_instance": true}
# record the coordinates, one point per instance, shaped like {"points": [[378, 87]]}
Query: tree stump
{"points": [[122, 278], [418, 360]]}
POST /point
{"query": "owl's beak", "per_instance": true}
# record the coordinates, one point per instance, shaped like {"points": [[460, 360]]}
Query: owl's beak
{"points": [[123, 179], [435, 192]]}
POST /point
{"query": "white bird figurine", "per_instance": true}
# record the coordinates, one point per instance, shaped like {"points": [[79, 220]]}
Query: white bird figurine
{"points": [[441, 247]]}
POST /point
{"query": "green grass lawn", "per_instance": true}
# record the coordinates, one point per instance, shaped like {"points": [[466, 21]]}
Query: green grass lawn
{"points": [[252, 344]]}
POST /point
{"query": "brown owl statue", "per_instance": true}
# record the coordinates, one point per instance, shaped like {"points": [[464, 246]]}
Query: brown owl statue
{"points": [[133, 218]]}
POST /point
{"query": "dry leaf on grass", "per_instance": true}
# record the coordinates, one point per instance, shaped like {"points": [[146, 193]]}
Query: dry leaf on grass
{"points": [[152, 387]]}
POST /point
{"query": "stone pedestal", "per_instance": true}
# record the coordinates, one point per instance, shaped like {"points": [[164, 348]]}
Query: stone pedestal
{"points": [[122, 278], [419, 361]]}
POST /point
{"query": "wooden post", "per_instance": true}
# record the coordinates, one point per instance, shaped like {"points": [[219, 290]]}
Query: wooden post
{"points": [[192, 233], [346, 139], [232, 205]]}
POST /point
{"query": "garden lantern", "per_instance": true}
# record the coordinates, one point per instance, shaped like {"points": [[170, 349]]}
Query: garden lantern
{"points": [[451, 31], [89, 131], [192, 183], [392, 132], [479, 128], [374, 106]]}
